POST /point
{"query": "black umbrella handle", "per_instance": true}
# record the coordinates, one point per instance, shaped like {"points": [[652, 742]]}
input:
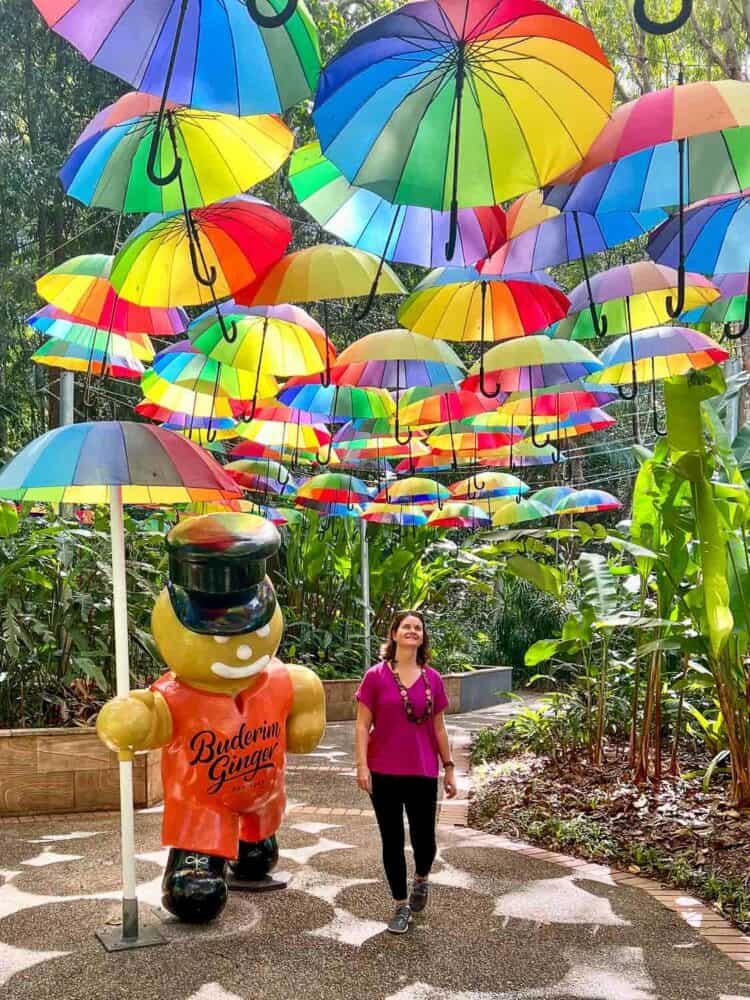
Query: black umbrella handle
{"points": [[174, 173], [273, 20], [647, 24], [674, 308], [450, 246]]}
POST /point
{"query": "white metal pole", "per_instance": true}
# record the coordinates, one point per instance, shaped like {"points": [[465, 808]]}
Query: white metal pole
{"points": [[67, 398], [122, 667], [365, 567]]}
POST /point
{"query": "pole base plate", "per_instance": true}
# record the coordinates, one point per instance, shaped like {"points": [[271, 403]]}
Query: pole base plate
{"points": [[265, 884], [112, 939]]}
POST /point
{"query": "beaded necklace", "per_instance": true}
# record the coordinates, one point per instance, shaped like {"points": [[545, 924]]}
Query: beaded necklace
{"points": [[408, 707]]}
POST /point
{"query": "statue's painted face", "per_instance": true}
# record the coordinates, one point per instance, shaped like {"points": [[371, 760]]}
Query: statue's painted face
{"points": [[225, 664]]}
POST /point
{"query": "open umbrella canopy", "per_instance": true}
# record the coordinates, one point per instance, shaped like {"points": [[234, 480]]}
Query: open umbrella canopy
{"points": [[510, 512], [376, 449], [554, 402], [551, 496], [219, 413], [463, 102], [533, 362], [716, 236], [408, 234], [576, 424], [631, 296], [80, 463], [397, 514], [450, 440], [465, 304], [262, 476], [220, 155], [326, 509], [658, 353], [541, 236], [397, 359], [206, 53], [729, 307], [321, 272], [459, 515], [50, 323], [81, 288], [337, 403], [279, 435], [489, 484], [260, 343], [165, 262], [181, 364], [76, 357], [426, 406], [413, 490], [334, 487], [587, 502], [634, 164]]}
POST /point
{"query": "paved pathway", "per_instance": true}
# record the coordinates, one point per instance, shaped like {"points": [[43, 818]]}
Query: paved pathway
{"points": [[504, 923]]}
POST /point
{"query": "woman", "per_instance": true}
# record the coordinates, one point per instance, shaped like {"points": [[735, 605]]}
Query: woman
{"points": [[400, 737]]}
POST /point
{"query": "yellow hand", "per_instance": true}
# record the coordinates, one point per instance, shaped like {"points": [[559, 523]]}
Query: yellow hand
{"points": [[307, 721], [139, 722]]}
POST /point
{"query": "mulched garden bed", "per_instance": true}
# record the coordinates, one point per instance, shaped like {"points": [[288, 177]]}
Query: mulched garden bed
{"points": [[680, 833]]}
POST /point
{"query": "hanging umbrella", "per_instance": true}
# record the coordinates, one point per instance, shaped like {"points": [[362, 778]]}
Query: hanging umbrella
{"points": [[221, 413], [397, 514], [459, 515], [408, 234], [334, 488], [529, 363], [375, 449], [282, 436], [116, 463], [551, 496], [669, 147], [587, 502], [88, 337], [629, 297], [337, 403], [206, 53], [449, 105], [279, 518], [74, 357], [220, 155], [327, 510], [415, 490], [197, 257], [660, 353], [432, 462], [525, 455], [262, 476], [217, 507], [182, 365], [554, 402], [427, 405], [491, 484], [81, 290], [510, 512], [732, 306], [574, 425], [465, 304]]}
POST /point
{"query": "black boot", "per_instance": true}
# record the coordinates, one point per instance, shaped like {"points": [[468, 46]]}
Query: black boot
{"points": [[253, 865], [194, 886]]}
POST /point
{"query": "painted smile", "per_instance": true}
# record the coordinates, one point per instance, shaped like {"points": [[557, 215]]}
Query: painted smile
{"points": [[237, 673]]}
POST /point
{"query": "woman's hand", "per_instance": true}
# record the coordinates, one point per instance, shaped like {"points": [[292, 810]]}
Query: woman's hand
{"points": [[363, 778], [449, 783]]}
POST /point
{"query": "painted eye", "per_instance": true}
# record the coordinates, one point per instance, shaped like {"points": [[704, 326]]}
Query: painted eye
{"points": [[244, 652]]}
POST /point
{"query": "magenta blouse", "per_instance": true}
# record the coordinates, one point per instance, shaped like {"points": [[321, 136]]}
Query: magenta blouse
{"points": [[397, 746]]}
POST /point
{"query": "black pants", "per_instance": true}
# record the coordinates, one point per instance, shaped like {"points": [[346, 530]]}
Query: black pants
{"points": [[391, 794]]}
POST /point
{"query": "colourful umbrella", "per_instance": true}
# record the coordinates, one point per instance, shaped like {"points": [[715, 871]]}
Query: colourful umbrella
{"points": [[448, 104], [459, 515], [337, 403], [399, 515], [629, 297], [221, 414], [204, 53], [529, 363], [80, 289], [587, 502], [510, 512], [181, 364], [415, 490], [464, 304], [668, 147], [732, 306], [326, 509], [196, 257], [279, 518], [408, 234], [262, 477], [74, 357], [280, 453], [217, 507], [50, 323], [426, 405], [576, 424], [220, 155], [334, 488], [432, 462], [116, 463], [283, 436], [491, 484], [555, 402], [551, 496]]}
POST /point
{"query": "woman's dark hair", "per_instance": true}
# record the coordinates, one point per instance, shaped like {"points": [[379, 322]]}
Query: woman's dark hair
{"points": [[388, 649]]}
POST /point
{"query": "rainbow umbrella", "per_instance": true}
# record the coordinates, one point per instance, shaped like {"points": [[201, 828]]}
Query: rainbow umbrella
{"points": [[525, 455], [271, 409], [74, 357], [399, 515], [115, 463], [221, 414], [556, 402], [586, 502], [492, 484], [426, 405], [326, 509], [459, 515], [334, 488], [432, 462], [466, 304], [196, 257], [337, 403], [49, 323], [510, 512], [669, 147], [263, 477], [529, 363], [732, 306], [80, 289], [219, 156], [415, 490], [375, 449], [660, 353], [552, 496], [279, 518], [181, 364], [284, 436], [408, 234], [449, 105], [206, 53], [629, 297], [217, 507], [574, 425]]}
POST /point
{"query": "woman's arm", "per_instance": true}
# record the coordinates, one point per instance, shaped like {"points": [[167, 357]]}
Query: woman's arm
{"points": [[361, 738], [444, 749]]}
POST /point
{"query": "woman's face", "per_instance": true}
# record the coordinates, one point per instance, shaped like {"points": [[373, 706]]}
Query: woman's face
{"points": [[409, 632]]}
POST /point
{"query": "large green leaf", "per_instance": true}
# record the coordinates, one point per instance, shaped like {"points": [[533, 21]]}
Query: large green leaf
{"points": [[544, 577], [741, 447], [598, 585], [542, 651], [8, 519]]}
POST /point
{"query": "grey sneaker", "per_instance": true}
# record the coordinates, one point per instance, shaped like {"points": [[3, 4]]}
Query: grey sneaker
{"points": [[418, 898], [399, 923]]}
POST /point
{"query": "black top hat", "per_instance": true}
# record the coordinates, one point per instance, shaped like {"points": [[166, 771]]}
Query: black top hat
{"points": [[217, 572]]}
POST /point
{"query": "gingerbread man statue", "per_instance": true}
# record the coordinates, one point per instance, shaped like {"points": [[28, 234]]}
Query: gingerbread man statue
{"points": [[225, 714]]}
